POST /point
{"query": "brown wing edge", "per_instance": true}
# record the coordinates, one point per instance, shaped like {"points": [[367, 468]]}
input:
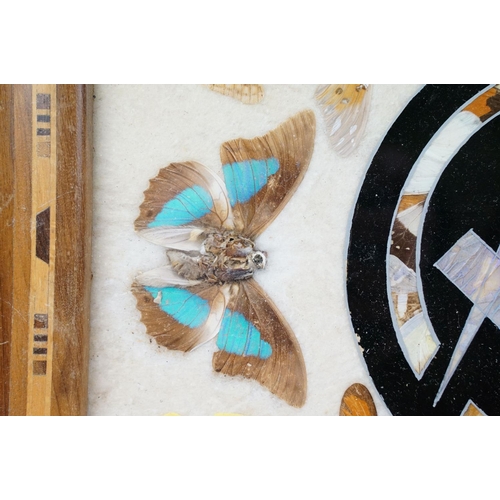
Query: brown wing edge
{"points": [[284, 373], [357, 402], [292, 143]]}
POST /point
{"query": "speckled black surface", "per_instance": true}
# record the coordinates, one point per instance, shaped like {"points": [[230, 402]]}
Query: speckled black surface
{"points": [[466, 197]]}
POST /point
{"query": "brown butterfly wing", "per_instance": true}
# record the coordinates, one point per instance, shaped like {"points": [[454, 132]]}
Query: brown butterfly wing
{"points": [[169, 332], [292, 145], [357, 402], [284, 372], [195, 197]]}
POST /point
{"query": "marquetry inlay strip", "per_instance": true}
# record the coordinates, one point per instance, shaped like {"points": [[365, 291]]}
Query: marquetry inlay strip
{"points": [[43, 247]]}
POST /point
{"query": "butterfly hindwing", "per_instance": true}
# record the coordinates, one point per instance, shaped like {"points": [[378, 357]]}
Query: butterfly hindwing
{"points": [[180, 318], [180, 201], [261, 174], [256, 342], [345, 111]]}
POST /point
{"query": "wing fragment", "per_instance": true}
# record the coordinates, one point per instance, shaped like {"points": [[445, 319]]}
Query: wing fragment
{"points": [[345, 112], [247, 93], [357, 402]]}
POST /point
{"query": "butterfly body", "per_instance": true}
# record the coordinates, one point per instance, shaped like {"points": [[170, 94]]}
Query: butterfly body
{"points": [[225, 256], [209, 227]]}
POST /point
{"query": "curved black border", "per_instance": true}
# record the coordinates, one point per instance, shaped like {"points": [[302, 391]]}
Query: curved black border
{"points": [[366, 258]]}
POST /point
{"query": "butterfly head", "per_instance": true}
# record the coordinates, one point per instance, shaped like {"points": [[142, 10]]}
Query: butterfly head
{"points": [[241, 267], [259, 259]]}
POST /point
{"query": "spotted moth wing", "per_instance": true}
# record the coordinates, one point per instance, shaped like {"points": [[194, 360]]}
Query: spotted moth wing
{"points": [[345, 111]]}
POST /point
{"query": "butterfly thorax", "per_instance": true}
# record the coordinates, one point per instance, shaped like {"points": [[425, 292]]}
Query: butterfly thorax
{"points": [[224, 256]]}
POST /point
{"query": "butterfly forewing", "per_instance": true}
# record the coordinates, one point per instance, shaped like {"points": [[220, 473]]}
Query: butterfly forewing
{"points": [[181, 318], [345, 111], [256, 342], [181, 200], [261, 174]]}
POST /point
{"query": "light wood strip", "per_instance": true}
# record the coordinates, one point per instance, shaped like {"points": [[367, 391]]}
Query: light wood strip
{"points": [[42, 272]]}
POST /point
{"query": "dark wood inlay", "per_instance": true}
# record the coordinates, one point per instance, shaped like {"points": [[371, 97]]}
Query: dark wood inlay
{"points": [[43, 235], [39, 350], [43, 131], [41, 321], [43, 118], [43, 101], [39, 367], [41, 338]]}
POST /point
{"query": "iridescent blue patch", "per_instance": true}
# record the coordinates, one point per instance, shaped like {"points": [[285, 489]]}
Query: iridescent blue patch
{"points": [[245, 179], [189, 205], [239, 336], [185, 307]]}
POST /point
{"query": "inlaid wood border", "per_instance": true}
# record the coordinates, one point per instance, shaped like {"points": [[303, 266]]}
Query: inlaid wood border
{"points": [[45, 221]]}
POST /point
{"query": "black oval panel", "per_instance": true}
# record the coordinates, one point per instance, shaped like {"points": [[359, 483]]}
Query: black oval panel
{"points": [[367, 252]]}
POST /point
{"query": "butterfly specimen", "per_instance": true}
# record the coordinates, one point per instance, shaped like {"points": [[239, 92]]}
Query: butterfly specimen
{"points": [[345, 111], [209, 227]]}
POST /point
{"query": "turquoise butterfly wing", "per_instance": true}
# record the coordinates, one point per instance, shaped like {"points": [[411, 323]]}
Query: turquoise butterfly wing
{"points": [[180, 318], [261, 174], [180, 203], [255, 341], [253, 338]]}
